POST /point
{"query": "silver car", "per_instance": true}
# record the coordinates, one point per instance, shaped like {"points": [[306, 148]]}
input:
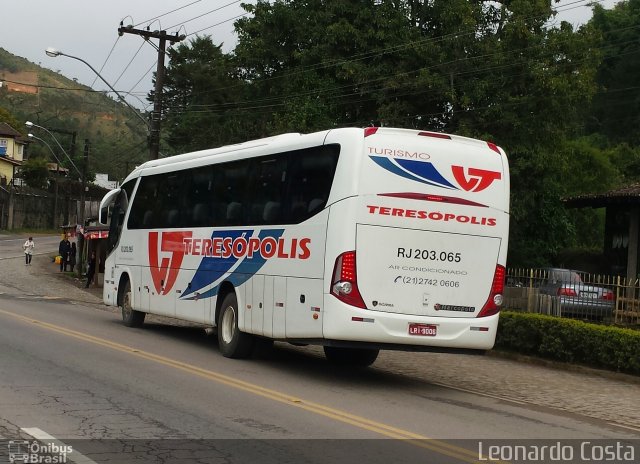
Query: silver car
{"points": [[577, 298]]}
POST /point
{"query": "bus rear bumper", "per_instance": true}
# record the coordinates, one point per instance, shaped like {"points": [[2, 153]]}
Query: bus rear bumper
{"points": [[344, 323]]}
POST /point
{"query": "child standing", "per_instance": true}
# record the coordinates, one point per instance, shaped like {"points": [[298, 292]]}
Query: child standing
{"points": [[28, 247]]}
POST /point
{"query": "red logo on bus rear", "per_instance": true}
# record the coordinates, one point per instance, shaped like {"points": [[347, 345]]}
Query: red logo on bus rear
{"points": [[479, 179], [165, 274]]}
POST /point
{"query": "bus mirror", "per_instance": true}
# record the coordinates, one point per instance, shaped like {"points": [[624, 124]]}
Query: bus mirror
{"points": [[107, 201], [104, 215]]}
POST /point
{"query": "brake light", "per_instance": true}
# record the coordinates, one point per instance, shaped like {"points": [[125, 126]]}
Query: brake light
{"points": [[437, 135], [370, 131], [344, 284], [563, 291], [492, 306], [494, 147], [608, 295], [436, 198]]}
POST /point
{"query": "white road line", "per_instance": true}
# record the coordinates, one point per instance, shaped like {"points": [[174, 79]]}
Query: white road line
{"points": [[628, 427], [43, 436]]}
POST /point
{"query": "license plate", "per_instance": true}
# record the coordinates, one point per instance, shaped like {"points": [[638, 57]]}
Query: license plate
{"points": [[425, 330], [589, 294]]}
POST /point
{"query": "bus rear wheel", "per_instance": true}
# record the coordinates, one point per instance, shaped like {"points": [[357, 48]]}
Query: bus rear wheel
{"points": [[356, 357], [130, 317], [233, 343]]}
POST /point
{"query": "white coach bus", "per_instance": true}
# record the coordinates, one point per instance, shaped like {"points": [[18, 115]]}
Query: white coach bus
{"points": [[354, 239]]}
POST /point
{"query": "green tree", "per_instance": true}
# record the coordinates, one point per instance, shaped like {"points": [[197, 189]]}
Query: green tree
{"points": [[487, 69], [35, 173], [9, 118], [199, 94], [616, 107]]}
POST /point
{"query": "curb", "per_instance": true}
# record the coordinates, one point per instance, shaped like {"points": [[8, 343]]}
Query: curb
{"points": [[576, 368]]}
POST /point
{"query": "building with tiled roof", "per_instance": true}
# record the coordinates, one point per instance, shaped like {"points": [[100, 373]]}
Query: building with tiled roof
{"points": [[12, 149]]}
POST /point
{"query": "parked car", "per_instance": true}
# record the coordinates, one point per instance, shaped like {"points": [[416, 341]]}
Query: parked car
{"points": [[577, 298]]}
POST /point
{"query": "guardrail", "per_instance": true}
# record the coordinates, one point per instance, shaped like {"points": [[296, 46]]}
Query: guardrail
{"points": [[605, 298]]}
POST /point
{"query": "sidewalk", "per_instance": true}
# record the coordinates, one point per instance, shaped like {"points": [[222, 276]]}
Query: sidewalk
{"points": [[43, 278], [585, 392]]}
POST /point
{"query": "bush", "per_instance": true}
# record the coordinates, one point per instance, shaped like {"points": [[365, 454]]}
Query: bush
{"points": [[571, 341]]}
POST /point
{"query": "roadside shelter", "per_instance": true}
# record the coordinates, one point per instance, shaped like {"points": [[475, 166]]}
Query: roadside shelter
{"points": [[622, 226], [95, 239]]}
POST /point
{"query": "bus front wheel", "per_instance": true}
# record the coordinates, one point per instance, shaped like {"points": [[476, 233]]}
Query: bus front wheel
{"points": [[233, 343], [357, 357], [130, 317]]}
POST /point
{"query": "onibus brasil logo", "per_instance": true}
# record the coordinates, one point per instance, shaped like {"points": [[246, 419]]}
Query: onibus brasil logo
{"points": [[35, 452]]}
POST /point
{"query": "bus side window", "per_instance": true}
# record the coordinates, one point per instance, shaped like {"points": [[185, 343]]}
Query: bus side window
{"points": [[311, 177], [267, 189], [229, 192], [143, 211]]}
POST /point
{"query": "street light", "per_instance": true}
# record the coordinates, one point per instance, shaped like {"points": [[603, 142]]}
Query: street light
{"points": [[83, 176], [52, 52], [29, 124], [31, 136], [55, 200]]}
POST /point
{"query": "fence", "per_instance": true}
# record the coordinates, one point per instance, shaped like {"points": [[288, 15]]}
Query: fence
{"points": [[564, 293], [28, 208]]}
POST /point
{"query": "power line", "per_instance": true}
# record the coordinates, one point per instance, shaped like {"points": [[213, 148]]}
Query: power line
{"points": [[204, 14], [105, 61], [437, 65], [380, 52], [217, 24], [168, 12], [129, 64]]}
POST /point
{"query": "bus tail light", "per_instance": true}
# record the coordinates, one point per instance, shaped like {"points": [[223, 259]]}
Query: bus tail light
{"points": [[492, 306], [344, 284]]}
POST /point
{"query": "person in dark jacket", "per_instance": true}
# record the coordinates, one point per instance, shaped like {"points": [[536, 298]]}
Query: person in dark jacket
{"points": [[72, 256], [63, 250], [91, 268]]}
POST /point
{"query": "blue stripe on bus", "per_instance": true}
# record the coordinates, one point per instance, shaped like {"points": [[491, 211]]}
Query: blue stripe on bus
{"points": [[420, 171], [212, 269]]}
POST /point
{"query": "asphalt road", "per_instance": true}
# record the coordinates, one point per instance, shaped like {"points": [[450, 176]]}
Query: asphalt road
{"points": [[11, 245], [72, 375]]}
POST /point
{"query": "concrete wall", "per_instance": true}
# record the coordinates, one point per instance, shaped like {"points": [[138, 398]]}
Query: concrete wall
{"points": [[35, 210]]}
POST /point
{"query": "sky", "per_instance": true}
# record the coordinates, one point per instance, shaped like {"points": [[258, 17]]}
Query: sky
{"points": [[88, 29]]}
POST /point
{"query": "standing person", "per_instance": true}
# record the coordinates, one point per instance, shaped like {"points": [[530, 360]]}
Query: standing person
{"points": [[92, 267], [72, 256], [63, 250], [28, 247]]}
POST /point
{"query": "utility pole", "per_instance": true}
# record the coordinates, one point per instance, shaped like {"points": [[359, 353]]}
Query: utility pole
{"points": [[85, 165], [162, 36]]}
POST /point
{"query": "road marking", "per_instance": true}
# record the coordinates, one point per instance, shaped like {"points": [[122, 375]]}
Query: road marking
{"points": [[43, 436], [476, 392], [629, 427], [389, 431]]}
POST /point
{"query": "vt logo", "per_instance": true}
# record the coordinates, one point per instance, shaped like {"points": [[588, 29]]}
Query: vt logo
{"points": [[479, 179], [164, 275]]}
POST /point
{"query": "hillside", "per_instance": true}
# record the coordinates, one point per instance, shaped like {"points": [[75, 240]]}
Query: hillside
{"points": [[33, 93]]}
